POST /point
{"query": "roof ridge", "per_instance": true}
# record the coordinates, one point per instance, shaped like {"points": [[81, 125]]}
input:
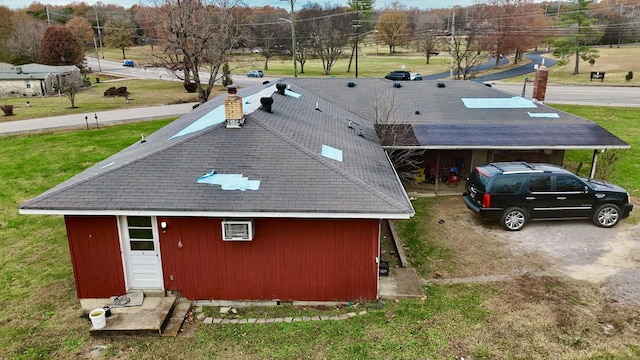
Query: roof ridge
{"points": [[326, 162]]}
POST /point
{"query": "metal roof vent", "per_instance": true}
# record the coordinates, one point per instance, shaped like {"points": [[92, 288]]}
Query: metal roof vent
{"points": [[397, 85], [19, 70], [351, 84], [266, 103], [417, 112], [440, 84], [280, 87]]}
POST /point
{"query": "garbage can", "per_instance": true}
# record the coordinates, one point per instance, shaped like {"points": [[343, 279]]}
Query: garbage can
{"points": [[383, 269]]}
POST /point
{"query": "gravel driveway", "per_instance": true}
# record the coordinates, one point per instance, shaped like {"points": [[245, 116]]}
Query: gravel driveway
{"points": [[583, 251]]}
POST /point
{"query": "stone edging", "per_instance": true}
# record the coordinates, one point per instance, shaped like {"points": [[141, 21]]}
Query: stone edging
{"points": [[289, 319]]}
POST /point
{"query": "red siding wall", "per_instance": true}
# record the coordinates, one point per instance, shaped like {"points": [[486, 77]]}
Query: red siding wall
{"points": [[95, 254], [288, 259]]}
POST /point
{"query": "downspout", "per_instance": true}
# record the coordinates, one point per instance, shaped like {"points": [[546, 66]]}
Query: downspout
{"points": [[594, 160]]}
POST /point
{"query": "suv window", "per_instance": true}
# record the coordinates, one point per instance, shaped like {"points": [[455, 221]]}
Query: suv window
{"points": [[507, 184], [540, 183], [568, 183]]}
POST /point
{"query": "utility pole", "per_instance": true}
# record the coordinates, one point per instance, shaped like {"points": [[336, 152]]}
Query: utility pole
{"points": [[48, 18], [98, 26], [453, 31], [293, 37], [97, 55], [358, 25]]}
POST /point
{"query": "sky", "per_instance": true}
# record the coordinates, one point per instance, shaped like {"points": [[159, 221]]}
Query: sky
{"points": [[380, 4]]}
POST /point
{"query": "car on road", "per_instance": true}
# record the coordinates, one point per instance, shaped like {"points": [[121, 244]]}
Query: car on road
{"points": [[255, 73], [415, 76], [398, 75], [256, 50], [516, 192], [128, 63]]}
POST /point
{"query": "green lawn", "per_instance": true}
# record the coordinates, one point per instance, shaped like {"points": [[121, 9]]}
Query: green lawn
{"points": [[92, 99]]}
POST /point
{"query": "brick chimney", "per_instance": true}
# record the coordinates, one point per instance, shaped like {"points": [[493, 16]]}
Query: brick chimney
{"points": [[540, 82], [233, 108]]}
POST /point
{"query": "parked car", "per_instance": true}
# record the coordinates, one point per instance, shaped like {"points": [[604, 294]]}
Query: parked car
{"points": [[415, 76], [255, 73], [516, 192], [398, 75], [256, 50], [128, 63]]}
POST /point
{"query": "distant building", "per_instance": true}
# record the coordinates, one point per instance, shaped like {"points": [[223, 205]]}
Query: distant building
{"points": [[35, 79]]}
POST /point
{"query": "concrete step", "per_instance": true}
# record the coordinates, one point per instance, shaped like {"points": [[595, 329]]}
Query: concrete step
{"points": [[176, 319], [146, 320]]}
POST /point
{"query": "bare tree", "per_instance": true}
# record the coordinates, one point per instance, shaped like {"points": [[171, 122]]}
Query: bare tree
{"points": [[429, 40], [266, 32], [326, 32], [69, 85], [198, 35], [24, 42], [394, 135], [465, 46], [607, 163]]}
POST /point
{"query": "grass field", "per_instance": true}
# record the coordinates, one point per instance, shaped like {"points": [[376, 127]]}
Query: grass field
{"points": [[91, 99]]}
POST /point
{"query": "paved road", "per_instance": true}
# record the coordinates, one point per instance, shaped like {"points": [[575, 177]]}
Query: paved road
{"points": [[536, 58], [104, 117], [594, 95]]}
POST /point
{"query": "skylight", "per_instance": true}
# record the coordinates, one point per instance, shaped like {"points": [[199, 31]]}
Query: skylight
{"points": [[216, 116], [544, 115], [516, 102], [331, 153]]}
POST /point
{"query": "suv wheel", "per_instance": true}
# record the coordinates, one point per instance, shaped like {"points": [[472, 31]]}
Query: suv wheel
{"points": [[513, 218], [607, 215]]}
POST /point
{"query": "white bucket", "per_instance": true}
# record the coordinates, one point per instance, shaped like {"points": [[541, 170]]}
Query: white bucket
{"points": [[98, 318]]}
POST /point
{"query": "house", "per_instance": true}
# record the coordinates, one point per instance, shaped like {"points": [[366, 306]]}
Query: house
{"points": [[236, 200], [453, 126], [277, 193], [36, 79]]}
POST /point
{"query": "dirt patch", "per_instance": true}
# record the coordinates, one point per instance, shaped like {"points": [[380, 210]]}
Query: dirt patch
{"points": [[568, 285]]}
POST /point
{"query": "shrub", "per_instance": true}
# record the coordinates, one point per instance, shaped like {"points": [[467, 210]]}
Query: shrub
{"points": [[191, 87], [7, 109], [121, 91], [629, 76]]}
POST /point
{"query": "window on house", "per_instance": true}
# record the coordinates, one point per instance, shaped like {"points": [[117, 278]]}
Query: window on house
{"points": [[27, 84], [140, 231]]}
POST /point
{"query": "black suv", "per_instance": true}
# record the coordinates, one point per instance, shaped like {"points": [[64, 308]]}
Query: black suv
{"points": [[515, 192], [398, 75]]}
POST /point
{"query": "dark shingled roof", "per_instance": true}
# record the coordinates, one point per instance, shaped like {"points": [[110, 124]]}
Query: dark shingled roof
{"points": [[440, 119], [282, 149]]}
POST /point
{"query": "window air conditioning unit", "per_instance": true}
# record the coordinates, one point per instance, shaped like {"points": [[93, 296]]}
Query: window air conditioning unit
{"points": [[237, 230]]}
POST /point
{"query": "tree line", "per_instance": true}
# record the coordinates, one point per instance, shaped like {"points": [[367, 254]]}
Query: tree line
{"points": [[196, 37]]}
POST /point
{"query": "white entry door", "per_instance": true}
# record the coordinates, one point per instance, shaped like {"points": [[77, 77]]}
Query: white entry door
{"points": [[141, 253]]}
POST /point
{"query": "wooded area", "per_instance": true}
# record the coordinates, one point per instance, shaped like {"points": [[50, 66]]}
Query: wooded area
{"points": [[190, 35]]}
